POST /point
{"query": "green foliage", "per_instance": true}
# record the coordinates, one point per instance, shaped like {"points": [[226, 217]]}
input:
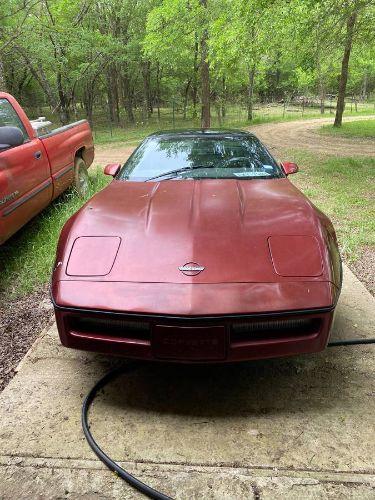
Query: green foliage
{"points": [[142, 55]]}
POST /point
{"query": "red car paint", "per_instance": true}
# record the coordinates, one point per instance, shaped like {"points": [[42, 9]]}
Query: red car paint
{"points": [[36, 172], [271, 278]]}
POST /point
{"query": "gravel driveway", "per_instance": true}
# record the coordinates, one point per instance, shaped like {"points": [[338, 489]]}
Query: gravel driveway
{"points": [[303, 134]]}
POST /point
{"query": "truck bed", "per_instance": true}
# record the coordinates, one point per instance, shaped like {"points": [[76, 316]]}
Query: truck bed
{"points": [[60, 141]]}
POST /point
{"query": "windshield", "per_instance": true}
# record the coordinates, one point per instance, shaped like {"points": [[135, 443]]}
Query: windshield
{"points": [[200, 157]]}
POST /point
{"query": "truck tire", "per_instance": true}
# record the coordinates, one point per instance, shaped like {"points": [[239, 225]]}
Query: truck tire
{"points": [[81, 177]]}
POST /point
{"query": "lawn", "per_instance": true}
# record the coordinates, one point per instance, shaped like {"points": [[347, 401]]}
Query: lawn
{"points": [[360, 128], [343, 188]]}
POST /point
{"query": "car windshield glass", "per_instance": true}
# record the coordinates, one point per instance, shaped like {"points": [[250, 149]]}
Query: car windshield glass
{"points": [[200, 157]]}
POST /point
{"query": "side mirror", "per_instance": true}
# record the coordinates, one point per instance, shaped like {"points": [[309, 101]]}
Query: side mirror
{"points": [[289, 167], [10, 137], [112, 169]]}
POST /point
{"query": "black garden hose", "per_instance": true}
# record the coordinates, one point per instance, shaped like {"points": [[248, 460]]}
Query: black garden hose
{"points": [[338, 343], [113, 466]]}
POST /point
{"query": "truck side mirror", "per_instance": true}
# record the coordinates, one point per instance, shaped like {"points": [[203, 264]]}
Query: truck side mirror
{"points": [[10, 137], [112, 169]]}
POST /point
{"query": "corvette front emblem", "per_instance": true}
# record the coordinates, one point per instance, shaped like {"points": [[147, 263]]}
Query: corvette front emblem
{"points": [[191, 269]]}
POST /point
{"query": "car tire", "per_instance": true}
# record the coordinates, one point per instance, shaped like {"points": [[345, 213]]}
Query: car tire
{"points": [[81, 177]]}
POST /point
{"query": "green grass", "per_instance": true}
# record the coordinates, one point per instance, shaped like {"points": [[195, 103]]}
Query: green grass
{"points": [[360, 128], [343, 188], [27, 258]]}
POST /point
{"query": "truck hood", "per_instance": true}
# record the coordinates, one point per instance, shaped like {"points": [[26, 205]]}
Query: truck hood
{"points": [[195, 231]]}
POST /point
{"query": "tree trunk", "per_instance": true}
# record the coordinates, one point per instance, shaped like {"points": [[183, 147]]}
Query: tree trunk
{"points": [[250, 93], [116, 104], [364, 85], [350, 26], [205, 78], [127, 97], [41, 78], [158, 93], [223, 98], [146, 105], [112, 93], [63, 101], [88, 101], [194, 94], [186, 98], [22, 83], [322, 96], [3, 86], [322, 88], [110, 98]]}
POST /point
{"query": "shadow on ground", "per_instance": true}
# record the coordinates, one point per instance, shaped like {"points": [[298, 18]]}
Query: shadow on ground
{"points": [[243, 389]]}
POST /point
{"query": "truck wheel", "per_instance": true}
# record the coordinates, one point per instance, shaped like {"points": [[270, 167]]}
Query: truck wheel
{"points": [[81, 177]]}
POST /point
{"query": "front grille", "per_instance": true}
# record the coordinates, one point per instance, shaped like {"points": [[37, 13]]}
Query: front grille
{"points": [[240, 331], [111, 327], [274, 329]]}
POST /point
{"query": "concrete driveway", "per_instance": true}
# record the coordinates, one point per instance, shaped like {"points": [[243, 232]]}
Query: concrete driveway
{"points": [[294, 428]]}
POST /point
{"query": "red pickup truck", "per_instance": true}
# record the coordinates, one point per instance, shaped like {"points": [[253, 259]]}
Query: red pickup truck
{"points": [[34, 168]]}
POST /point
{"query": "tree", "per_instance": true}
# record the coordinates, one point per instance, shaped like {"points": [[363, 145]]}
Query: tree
{"points": [[3, 86], [350, 20], [350, 30], [178, 37], [205, 70], [12, 26], [123, 59]]}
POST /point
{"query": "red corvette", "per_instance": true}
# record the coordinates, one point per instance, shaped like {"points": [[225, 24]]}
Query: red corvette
{"points": [[199, 250]]}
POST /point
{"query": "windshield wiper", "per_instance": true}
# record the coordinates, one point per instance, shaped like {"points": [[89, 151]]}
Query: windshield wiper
{"points": [[178, 170]]}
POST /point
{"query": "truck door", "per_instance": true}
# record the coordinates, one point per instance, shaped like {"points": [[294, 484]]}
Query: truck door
{"points": [[25, 180]]}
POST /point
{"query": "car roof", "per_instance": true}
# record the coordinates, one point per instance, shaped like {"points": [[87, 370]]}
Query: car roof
{"points": [[198, 132]]}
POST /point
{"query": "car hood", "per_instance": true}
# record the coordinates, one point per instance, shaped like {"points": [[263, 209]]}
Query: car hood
{"points": [[146, 231]]}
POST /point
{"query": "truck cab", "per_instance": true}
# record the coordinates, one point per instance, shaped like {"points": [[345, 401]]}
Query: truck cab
{"points": [[36, 168]]}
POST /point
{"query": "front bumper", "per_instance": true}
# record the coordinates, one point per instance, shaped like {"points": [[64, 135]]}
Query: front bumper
{"points": [[218, 323]]}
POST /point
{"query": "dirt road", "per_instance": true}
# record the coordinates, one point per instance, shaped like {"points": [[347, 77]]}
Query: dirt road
{"points": [[300, 134], [303, 134]]}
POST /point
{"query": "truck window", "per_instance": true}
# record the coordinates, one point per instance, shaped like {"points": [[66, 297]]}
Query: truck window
{"points": [[8, 117]]}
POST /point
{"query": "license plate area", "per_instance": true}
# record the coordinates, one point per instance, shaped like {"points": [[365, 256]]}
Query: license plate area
{"points": [[189, 343]]}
